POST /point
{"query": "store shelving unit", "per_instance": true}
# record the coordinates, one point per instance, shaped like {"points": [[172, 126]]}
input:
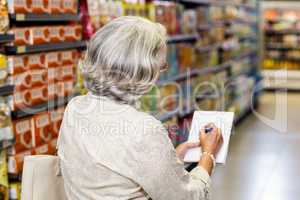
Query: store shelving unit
{"points": [[6, 90], [281, 60], [32, 17], [4, 38], [49, 105], [24, 49]]}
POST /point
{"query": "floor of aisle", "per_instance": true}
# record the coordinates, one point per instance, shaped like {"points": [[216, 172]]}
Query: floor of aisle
{"points": [[263, 162]]}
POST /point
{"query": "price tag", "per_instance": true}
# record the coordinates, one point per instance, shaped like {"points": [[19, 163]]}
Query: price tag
{"points": [[20, 17], [21, 49]]}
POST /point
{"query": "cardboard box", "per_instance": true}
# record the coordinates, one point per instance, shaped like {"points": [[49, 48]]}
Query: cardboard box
{"points": [[23, 136], [41, 128]]}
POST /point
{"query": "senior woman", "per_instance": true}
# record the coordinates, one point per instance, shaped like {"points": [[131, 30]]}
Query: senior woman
{"points": [[111, 151]]}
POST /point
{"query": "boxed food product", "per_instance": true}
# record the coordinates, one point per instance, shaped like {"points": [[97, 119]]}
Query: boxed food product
{"points": [[70, 6], [53, 59], [72, 33], [17, 64], [56, 34], [22, 36], [39, 35], [21, 81], [4, 176], [38, 95], [15, 163], [38, 77], [15, 191], [37, 61], [52, 91], [69, 57], [67, 72], [53, 144], [41, 129], [53, 75], [4, 25], [39, 6], [189, 21], [19, 6], [5, 122], [20, 99], [3, 70], [23, 136], [55, 6], [56, 117]]}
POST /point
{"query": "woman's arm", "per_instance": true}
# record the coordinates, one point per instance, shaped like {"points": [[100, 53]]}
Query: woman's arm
{"points": [[160, 174]]}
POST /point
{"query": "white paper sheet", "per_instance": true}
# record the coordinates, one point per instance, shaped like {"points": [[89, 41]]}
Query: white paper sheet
{"points": [[223, 120]]}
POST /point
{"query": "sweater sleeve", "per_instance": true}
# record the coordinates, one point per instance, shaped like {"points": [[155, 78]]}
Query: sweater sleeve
{"points": [[160, 174]]}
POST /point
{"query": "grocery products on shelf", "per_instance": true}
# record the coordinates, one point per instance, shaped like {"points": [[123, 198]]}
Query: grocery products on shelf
{"points": [[281, 52]]}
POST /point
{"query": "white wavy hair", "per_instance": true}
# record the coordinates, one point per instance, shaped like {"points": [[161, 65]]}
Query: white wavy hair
{"points": [[122, 60]]}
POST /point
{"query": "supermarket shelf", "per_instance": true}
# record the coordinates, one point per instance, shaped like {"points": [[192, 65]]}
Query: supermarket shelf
{"points": [[13, 50], [205, 71], [6, 38], [282, 47], [6, 90], [210, 47], [286, 80], [284, 58], [182, 38], [4, 144], [169, 115], [218, 3], [49, 105], [31, 17], [282, 32]]}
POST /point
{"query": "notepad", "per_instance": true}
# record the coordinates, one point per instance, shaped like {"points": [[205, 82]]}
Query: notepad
{"points": [[223, 120]]}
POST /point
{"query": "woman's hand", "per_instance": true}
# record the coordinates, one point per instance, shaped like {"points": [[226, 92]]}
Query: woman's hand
{"points": [[184, 147], [212, 141]]}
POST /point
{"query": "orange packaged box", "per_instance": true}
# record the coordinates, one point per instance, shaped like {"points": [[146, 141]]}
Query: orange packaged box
{"points": [[73, 33], [37, 61], [53, 59], [21, 81], [67, 72], [20, 99], [69, 57], [23, 136], [22, 36], [15, 163], [55, 6], [38, 77], [53, 75], [39, 95], [70, 6], [56, 117], [52, 91], [39, 6], [65, 88], [56, 33], [39, 35], [41, 129], [19, 6], [52, 146], [17, 64]]}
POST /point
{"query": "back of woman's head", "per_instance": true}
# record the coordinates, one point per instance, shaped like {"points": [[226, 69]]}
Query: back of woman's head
{"points": [[122, 60]]}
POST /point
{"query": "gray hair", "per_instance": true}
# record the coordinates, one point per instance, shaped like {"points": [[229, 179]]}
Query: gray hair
{"points": [[122, 61]]}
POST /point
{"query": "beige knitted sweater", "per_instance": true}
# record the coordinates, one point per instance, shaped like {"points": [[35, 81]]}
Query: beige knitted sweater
{"points": [[111, 151]]}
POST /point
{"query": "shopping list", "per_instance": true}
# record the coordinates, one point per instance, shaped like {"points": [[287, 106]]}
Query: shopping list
{"points": [[223, 120]]}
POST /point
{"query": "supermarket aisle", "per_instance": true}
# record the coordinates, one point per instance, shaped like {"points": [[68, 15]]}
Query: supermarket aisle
{"points": [[263, 163]]}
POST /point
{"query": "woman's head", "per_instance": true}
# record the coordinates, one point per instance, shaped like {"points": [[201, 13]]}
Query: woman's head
{"points": [[124, 58]]}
